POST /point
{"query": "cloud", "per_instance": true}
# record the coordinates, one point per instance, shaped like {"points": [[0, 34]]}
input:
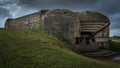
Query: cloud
{"points": [[115, 21], [114, 32], [109, 7], [13, 9], [4, 12], [6, 2], [38, 4], [1, 22]]}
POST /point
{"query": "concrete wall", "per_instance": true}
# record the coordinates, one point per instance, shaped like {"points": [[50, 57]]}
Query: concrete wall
{"points": [[31, 21], [64, 26]]}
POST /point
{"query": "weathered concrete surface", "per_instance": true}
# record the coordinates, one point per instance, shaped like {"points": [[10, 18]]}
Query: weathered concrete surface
{"points": [[31, 21], [63, 24]]}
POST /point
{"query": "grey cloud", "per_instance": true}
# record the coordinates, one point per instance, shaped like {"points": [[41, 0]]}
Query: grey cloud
{"points": [[109, 7], [115, 21], [115, 32], [30, 3], [105, 6], [6, 2], [38, 4], [115, 25], [4, 12]]}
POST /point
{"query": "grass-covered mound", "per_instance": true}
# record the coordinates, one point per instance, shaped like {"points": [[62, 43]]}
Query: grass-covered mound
{"points": [[114, 43], [34, 49]]}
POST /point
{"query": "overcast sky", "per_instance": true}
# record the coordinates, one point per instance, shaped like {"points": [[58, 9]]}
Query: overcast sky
{"points": [[17, 8]]}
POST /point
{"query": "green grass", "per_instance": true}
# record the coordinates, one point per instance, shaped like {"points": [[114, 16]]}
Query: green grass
{"points": [[114, 44], [34, 49]]}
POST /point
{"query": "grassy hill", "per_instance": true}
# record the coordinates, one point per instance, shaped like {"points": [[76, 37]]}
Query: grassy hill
{"points": [[34, 49], [115, 43]]}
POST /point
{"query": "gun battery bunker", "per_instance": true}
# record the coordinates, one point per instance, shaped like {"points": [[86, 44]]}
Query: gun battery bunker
{"points": [[84, 31]]}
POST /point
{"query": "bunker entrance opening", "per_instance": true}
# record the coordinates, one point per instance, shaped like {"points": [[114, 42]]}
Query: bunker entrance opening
{"points": [[85, 38]]}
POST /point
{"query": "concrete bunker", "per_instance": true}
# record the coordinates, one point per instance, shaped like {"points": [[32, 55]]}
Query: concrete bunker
{"points": [[84, 31], [94, 31]]}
